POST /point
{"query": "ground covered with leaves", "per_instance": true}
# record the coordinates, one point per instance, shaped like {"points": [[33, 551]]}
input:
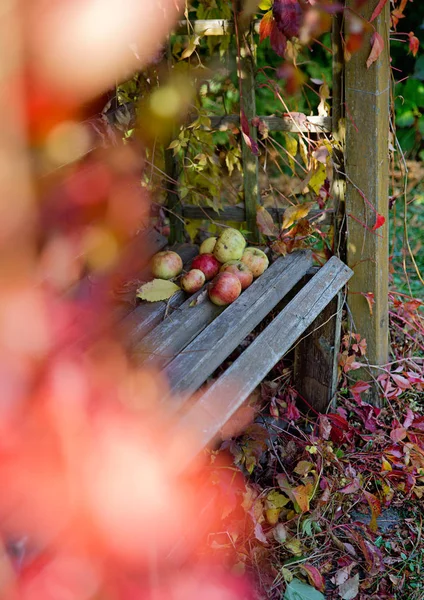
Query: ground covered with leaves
{"points": [[330, 505]]}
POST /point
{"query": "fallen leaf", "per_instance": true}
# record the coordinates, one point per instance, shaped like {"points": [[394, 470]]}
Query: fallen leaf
{"points": [[297, 590], [201, 297], [303, 467], [294, 546], [377, 46], [287, 574], [303, 494], [351, 487], [259, 533], [265, 4], [375, 506], [157, 290], [350, 588], [398, 434], [314, 576], [280, 533]]}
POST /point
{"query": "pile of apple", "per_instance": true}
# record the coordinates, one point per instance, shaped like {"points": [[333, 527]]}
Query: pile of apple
{"points": [[225, 261]]}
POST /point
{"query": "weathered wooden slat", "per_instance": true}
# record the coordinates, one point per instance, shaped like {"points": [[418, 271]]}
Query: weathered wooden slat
{"points": [[315, 363], [234, 213], [191, 368], [367, 98], [146, 315], [313, 124], [212, 410]]}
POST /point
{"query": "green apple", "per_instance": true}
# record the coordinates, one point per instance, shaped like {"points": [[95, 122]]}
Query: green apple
{"points": [[256, 260], [207, 246], [229, 245]]}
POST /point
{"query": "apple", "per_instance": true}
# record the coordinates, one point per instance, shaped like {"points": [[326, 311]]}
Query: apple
{"points": [[240, 270], [224, 289], [208, 264], [256, 260], [192, 281], [229, 245], [166, 264], [207, 246]]}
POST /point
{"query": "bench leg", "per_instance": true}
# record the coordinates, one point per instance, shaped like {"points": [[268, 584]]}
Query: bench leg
{"points": [[315, 363]]}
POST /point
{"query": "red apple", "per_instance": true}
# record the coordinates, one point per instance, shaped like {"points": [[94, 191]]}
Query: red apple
{"points": [[192, 281], [240, 270], [256, 260], [166, 264], [208, 264], [224, 289]]}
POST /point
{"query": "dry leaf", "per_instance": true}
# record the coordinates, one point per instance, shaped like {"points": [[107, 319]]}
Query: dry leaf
{"points": [[377, 46], [265, 222], [295, 213], [157, 290]]}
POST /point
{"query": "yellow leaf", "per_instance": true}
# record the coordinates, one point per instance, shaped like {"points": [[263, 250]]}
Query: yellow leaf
{"points": [[294, 546], [190, 49], [287, 574], [318, 178], [265, 4], [303, 494], [303, 467], [272, 515], [276, 500], [294, 213], [291, 147], [386, 466], [157, 290]]}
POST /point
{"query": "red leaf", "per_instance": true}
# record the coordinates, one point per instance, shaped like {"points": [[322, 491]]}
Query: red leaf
{"points": [[352, 487], [398, 434], [414, 43], [244, 123], [359, 387], [314, 576], [409, 418], [377, 46], [400, 381], [292, 413], [278, 40], [288, 16], [369, 297], [265, 26], [380, 220], [378, 10]]}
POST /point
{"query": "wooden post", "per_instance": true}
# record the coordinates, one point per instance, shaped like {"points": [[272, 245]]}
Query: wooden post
{"points": [[250, 161], [367, 93], [173, 203]]}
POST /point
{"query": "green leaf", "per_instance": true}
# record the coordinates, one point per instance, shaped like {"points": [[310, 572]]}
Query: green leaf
{"points": [[296, 590], [157, 290], [265, 4]]}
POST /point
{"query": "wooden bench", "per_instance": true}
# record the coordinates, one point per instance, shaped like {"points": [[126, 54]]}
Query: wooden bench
{"points": [[189, 341]]}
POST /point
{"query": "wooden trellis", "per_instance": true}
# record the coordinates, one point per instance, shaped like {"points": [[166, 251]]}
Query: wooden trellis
{"points": [[360, 120]]}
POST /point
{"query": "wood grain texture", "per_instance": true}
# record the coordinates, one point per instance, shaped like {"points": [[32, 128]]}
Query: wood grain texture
{"points": [[367, 93], [206, 352], [250, 162], [146, 315], [315, 364], [312, 124], [212, 410]]}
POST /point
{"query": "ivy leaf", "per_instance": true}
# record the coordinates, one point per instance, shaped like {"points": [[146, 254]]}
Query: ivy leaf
{"points": [[380, 220], [265, 26], [414, 43], [377, 46], [303, 494], [157, 290]]}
